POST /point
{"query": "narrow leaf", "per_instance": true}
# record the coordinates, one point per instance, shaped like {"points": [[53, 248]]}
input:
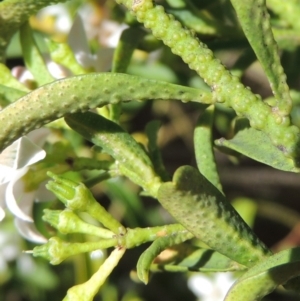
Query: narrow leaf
{"points": [[258, 146], [203, 148], [130, 158], [256, 25], [264, 277]]}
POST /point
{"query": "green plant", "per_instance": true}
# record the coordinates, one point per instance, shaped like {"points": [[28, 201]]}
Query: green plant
{"points": [[193, 196]]}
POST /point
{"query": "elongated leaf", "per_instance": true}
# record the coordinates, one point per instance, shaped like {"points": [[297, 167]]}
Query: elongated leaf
{"points": [[7, 79], [9, 95], [83, 92], [152, 129], [161, 243], [255, 22], [130, 158], [128, 41], [257, 145], [188, 258], [202, 209], [33, 57], [264, 277], [203, 148]]}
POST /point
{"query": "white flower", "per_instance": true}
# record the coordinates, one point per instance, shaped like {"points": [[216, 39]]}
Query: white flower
{"points": [[15, 161], [100, 61], [61, 15], [211, 288]]}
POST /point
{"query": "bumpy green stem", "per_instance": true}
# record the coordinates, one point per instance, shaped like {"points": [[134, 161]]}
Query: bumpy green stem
{"points": [[226, 87], [81, 93]]}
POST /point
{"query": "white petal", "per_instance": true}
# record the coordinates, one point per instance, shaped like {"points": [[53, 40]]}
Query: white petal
{"points": [[97, 255], [86, 60], [29, 231], [2, 214], [39, 136], [78, 42], [201, 285], [9, 155], [104, 59], [28, 153], [2, 201], [111, 33], [6, 174], [3, 268], [62, 15], [23, 75], [21, 153], [17, 200], [212, 288], [58, 71], [224, 282]]}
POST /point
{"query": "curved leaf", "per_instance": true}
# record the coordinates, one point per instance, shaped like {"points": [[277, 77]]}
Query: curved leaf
{"points": [[81, 93], [155, 249]]}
